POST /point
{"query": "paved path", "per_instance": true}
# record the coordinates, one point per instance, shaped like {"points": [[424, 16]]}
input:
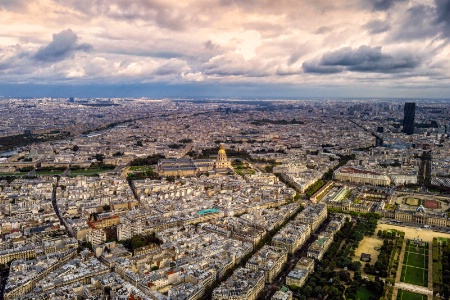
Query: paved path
{"points": [[414, 288], [394, 294], [400, 262], [399, 270]]}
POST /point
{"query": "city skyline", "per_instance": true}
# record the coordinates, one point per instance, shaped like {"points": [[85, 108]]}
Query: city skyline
{"points": [[354, 48]]}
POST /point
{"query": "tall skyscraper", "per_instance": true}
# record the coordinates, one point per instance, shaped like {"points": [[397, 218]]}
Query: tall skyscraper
{"points": [[408, 119], [378, 141]]}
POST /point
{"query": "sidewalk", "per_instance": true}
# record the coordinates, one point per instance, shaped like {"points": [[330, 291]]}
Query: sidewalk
{"points": [[399, 270]]}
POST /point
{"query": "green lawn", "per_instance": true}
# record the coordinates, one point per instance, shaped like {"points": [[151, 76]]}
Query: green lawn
{"points": [[244, 172], [141, 168], [414, 275], [416, 260], [13, 174], [88, 172], [363, 293], [419, 250], [415, 265], [405, 295], [49, 172]]}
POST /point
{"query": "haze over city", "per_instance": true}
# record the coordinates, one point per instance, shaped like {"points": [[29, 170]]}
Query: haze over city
{"points": [[224, 150], [225, 48]]}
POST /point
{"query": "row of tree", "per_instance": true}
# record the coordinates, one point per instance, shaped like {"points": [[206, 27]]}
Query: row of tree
{"points": [[314, 187], [446, 270], [140, 241], [147, 161]]}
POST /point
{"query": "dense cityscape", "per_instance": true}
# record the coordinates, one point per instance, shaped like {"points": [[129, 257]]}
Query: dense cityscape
{"points": [[224, 199], [224, 150]]}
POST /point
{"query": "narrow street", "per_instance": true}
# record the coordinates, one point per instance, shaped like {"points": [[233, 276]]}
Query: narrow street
{"points": [[55, 206]]}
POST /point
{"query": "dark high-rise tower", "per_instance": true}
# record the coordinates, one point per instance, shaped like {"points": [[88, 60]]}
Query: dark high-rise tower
{"points": [[408, 119]]}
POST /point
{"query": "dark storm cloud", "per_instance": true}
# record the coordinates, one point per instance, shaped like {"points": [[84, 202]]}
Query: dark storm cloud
{"points": [[424, 21], [294, 58], [14, 59], [377, 26], [5, 65], [324, 29], [362, 59], [161, 13], [210, 45], [381, 5], [12, 4], [443, 15], [63, 46], [314, 67], [416, 24], [172, 66]]}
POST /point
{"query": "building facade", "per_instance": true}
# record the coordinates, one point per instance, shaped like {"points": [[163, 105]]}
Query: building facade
{"points": [[268, 259], [408, 118], [318, 248], [222, 161], [244, 284], [351, 174]]}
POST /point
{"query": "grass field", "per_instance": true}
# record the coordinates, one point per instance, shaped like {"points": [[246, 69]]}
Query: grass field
{"points": [[49, 172], [13, 174], [87, 172], [415, 264], [412, 201], [405, 295], [141, 168]]}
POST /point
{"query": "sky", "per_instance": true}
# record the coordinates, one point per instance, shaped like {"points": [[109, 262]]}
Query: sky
{"points": [[225, 48]]}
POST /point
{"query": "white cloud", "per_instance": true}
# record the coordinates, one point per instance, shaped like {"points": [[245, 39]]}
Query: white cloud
{"points": [[222, 40], [75, 73]]}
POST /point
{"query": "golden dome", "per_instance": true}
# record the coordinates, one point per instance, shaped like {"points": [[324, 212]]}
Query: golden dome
{"points": [[222, 150]]}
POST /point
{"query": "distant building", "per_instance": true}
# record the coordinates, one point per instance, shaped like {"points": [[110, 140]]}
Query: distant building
{"points": [[378, 141], [222, 161], [183, 166], [318, 248], [408, 119], [128, 230], [244, 284], [282, 295], [292, 237], [313, 216], [297, 277], [346, 173], [71, 99], [191, 167], [96, 237], [268, 259]]}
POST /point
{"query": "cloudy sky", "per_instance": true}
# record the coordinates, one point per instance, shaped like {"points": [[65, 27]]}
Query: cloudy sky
{"points": [[260, 48]]}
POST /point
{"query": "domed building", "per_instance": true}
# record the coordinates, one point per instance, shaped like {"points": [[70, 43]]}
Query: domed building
{"points": [[222, 161], [191, 167]]}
